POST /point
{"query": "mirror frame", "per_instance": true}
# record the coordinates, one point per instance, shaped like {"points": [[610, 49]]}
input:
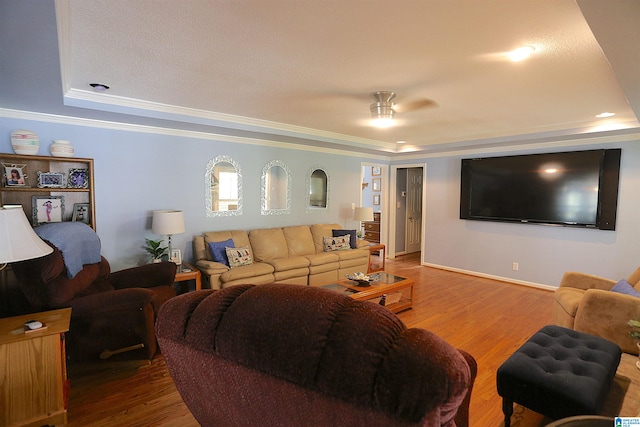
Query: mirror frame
{"points": [[208, 191], [308, 206], [263, 189]]}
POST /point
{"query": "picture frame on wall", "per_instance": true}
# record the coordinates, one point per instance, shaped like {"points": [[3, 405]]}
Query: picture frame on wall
{"points": [[377, 184], [15, 175], [376, 199], [47, 209], [175, 256], [376, 170], [50, 180], [81, 213]]}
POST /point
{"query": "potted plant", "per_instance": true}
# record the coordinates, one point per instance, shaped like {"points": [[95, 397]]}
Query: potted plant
{"points": [[155, 249]]}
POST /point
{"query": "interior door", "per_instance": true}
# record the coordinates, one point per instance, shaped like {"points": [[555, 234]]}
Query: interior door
{"points": [[414, 210]]}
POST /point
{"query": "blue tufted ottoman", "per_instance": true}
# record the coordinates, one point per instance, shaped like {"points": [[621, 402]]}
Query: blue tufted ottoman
{"points": [[558, 373]]}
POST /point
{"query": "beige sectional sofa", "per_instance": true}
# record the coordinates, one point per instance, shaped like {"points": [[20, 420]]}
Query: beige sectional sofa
{"points": [[294, 254]]}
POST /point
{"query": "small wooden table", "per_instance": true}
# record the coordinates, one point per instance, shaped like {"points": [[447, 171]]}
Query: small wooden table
{"points": [[381, 249], [394, 287], [33, 371], [193, 274]]}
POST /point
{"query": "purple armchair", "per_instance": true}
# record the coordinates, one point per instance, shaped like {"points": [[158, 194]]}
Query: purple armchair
{"points": [[111, 312], [293, 355]]}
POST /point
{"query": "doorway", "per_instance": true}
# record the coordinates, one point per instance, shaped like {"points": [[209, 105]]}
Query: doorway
{"points": [[409, 204]]}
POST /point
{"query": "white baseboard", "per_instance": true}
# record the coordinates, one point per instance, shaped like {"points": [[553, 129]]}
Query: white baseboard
{"points": [[491, 276]]}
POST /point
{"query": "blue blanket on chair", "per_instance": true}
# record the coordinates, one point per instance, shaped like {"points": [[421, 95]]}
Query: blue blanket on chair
{"points": [[77, 241]]}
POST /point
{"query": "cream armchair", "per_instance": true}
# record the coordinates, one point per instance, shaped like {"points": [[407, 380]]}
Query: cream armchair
{"points": [[585, 303]]}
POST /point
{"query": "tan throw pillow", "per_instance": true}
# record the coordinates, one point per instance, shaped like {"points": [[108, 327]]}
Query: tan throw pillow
{"points": [[239, 256], [339, 243]]}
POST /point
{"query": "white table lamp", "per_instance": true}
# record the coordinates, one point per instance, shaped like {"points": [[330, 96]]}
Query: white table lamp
{"points": [[167, 222], [18, 241], [362, 214]]}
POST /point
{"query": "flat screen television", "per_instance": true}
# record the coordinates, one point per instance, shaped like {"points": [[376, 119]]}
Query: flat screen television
{"points": [[578, 188]]}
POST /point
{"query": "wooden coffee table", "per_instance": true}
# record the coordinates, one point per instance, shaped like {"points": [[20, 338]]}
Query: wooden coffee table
{"points": [[398, 290]]}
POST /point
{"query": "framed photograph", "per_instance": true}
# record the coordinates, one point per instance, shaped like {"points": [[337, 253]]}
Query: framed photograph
{"points": [[377, 184], [78, 178], [376, 199], [47, 209], [176, 256], [82, 213], [50, 180], [15, 175], [376, 170]]}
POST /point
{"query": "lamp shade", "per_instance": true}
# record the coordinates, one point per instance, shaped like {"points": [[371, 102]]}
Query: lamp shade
{"points": [[363, 214], [18, 241], [167, 222]]}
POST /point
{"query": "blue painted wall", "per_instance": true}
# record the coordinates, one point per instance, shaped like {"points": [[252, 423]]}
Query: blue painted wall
{"points": [[138, 172]]}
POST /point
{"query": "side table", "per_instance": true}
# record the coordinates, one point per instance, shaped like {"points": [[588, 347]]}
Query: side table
{"points": [[34, 387], [188, 272], [381, 249]]}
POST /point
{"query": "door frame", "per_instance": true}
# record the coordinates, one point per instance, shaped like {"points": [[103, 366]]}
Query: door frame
{"points": [[384, 197], [391, 238]]}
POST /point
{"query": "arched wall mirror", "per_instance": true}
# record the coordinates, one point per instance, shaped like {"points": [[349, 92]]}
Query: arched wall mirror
{"points": [[275, 189], [317, 190], [223, 187]]}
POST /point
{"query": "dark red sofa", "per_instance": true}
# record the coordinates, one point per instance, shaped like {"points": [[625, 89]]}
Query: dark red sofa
{"points": [[288, 355]]}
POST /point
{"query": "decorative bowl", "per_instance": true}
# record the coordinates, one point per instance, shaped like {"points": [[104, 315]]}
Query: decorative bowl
{"points": [[366, 281]]}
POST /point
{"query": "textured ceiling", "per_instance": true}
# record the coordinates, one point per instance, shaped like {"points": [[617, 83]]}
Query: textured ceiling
{"points": [[304, 69]]}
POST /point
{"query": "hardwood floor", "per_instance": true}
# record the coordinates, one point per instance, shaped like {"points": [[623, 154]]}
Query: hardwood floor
{"points": [[487, 318]]}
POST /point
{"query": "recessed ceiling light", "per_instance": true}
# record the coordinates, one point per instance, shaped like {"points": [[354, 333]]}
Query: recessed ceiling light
{"points": [[521, 53], [99, 87], [400, 142], [605, 114]]}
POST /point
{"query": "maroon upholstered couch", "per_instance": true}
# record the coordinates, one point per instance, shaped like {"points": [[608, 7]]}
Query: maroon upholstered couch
{"points": [[288, 355], [110, 311]]}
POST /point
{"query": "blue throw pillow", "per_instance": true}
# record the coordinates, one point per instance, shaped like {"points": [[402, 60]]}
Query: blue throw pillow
{"points": [[219, 251], [624, 287], [352, 236]]}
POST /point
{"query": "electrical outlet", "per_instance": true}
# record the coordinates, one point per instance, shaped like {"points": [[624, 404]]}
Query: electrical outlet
{"points": [[514, 266]]}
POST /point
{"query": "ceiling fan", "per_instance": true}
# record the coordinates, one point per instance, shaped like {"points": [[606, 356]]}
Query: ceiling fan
{"points": [[383, 109]]}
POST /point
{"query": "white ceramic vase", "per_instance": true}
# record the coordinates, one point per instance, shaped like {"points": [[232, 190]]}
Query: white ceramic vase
{"points": [[25, 142], [61, 148]]}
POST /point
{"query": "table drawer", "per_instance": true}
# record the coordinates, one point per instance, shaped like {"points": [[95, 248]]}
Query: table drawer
{"points": [[372, 226], [372, 236]]}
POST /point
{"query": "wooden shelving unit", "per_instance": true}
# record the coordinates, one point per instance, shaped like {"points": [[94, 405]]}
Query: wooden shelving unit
{"points": [[31, 165]]}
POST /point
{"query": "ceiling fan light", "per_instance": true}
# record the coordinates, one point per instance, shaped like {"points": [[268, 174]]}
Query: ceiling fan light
{"points": [[382, 114], [382, 122]]}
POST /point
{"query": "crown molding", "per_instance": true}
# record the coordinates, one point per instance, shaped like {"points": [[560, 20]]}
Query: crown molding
{"points": [[157, 130]]}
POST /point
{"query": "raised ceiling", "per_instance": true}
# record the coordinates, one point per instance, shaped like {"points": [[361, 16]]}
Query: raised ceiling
{"points": [[301, 71]]}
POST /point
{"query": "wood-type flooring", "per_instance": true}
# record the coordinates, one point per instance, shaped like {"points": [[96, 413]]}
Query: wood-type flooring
{"points": [[489, 319]]}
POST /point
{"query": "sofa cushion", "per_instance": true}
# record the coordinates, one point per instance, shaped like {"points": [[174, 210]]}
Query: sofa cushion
{"points": [[352, 236], [319, 231], [339, 243], [323, 258], [239, 256], [219, 250], [568, 299], [268, 243], [247, 272], [240, 239], [299, 240], [289, 263], [624, 287]]}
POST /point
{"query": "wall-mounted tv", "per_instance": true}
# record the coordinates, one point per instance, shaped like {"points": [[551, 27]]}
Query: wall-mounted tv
{"points": [[578, 188]]}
